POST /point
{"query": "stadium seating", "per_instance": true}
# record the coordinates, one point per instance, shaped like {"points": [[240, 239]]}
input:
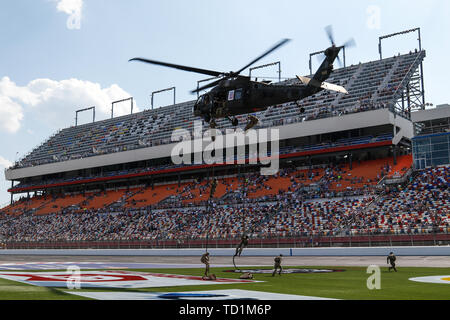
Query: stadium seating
{"points": [[330, 200], [421, 207], [404, 163], [371, 85], [285, 151], [368, 173]]}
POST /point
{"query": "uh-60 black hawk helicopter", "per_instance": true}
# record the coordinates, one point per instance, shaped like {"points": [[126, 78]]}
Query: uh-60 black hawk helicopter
{"points": [[234, 94]]}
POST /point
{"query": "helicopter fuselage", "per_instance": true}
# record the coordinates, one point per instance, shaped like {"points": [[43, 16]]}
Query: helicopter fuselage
{"points": [[242, 96], [232, 94]]}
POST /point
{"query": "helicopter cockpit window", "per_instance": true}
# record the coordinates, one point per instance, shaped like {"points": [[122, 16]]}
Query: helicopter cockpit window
{"points": [[238, 94]]}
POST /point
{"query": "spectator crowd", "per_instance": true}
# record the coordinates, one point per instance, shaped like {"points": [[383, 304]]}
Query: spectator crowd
{"points": [[421, 206]]}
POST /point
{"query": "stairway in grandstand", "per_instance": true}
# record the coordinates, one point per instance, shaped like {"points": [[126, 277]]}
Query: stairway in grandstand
{"points": [[385, 83], [347, 83]]}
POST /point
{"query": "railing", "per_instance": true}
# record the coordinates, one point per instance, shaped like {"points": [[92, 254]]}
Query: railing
{"points": [[368, 240], [406, 78], [398, 180]]}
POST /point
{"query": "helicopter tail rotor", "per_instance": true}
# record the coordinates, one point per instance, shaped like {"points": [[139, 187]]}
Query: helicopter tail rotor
{"points": [[330, 34]]}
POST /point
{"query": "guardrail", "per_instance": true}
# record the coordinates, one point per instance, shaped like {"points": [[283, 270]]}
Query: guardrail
{"points": [[432, 239]]}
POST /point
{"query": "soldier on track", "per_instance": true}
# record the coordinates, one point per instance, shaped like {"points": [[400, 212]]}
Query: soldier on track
{"points": [[277, 265], [242, 245], [391, 260], [205, 260]]}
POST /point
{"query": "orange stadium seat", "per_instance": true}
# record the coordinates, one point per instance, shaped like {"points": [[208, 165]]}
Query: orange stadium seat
{"points": [[58, 204], [151, 196], [404, 163], [104, 199]]}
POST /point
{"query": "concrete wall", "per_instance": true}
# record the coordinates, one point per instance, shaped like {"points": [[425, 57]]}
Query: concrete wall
{"points": [[360, 251], [440, 112]]}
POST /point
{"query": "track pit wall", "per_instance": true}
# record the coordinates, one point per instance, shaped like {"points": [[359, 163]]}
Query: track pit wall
{"points": [[248, 252]]}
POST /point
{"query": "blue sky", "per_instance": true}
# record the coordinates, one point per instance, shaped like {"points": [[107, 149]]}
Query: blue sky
{"points": [[58, 56]]}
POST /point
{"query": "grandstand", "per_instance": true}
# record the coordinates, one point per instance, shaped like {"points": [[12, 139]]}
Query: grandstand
{"points": [[371, 85], [346, 177]]}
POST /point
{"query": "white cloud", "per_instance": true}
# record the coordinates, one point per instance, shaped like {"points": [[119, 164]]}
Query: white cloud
{"points": [[55, 102], [5, 163], [74, 9], [11, 114]]}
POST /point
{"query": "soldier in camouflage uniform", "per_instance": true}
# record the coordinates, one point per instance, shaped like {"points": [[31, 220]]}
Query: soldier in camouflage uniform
{"points": [[242, 245], [277, 265], [205, 259], [391, 260]]}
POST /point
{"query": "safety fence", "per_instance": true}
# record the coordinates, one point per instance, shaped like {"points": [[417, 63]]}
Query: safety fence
{"points": [[432, 239]]}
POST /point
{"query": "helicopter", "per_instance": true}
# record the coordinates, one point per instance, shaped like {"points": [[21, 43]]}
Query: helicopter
{"points": [[233, 94]]}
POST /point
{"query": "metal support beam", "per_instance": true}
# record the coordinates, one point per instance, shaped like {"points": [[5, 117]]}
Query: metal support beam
{"points": [[395, 155], [204, 80], [380, 48], [265, 66], [119, 101], [163, 90], [86, 109], [12, 194], [412, 93]]}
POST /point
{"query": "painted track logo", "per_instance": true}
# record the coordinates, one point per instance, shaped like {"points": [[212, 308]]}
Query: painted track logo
{"points": [[112, 279], [432, 279]]}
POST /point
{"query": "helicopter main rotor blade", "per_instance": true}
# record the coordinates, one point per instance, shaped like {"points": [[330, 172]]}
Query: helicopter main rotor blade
{"points": [[329, 31], [350, 43], [180, 67], [339, 61], [275, 47], [206, 86]]}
